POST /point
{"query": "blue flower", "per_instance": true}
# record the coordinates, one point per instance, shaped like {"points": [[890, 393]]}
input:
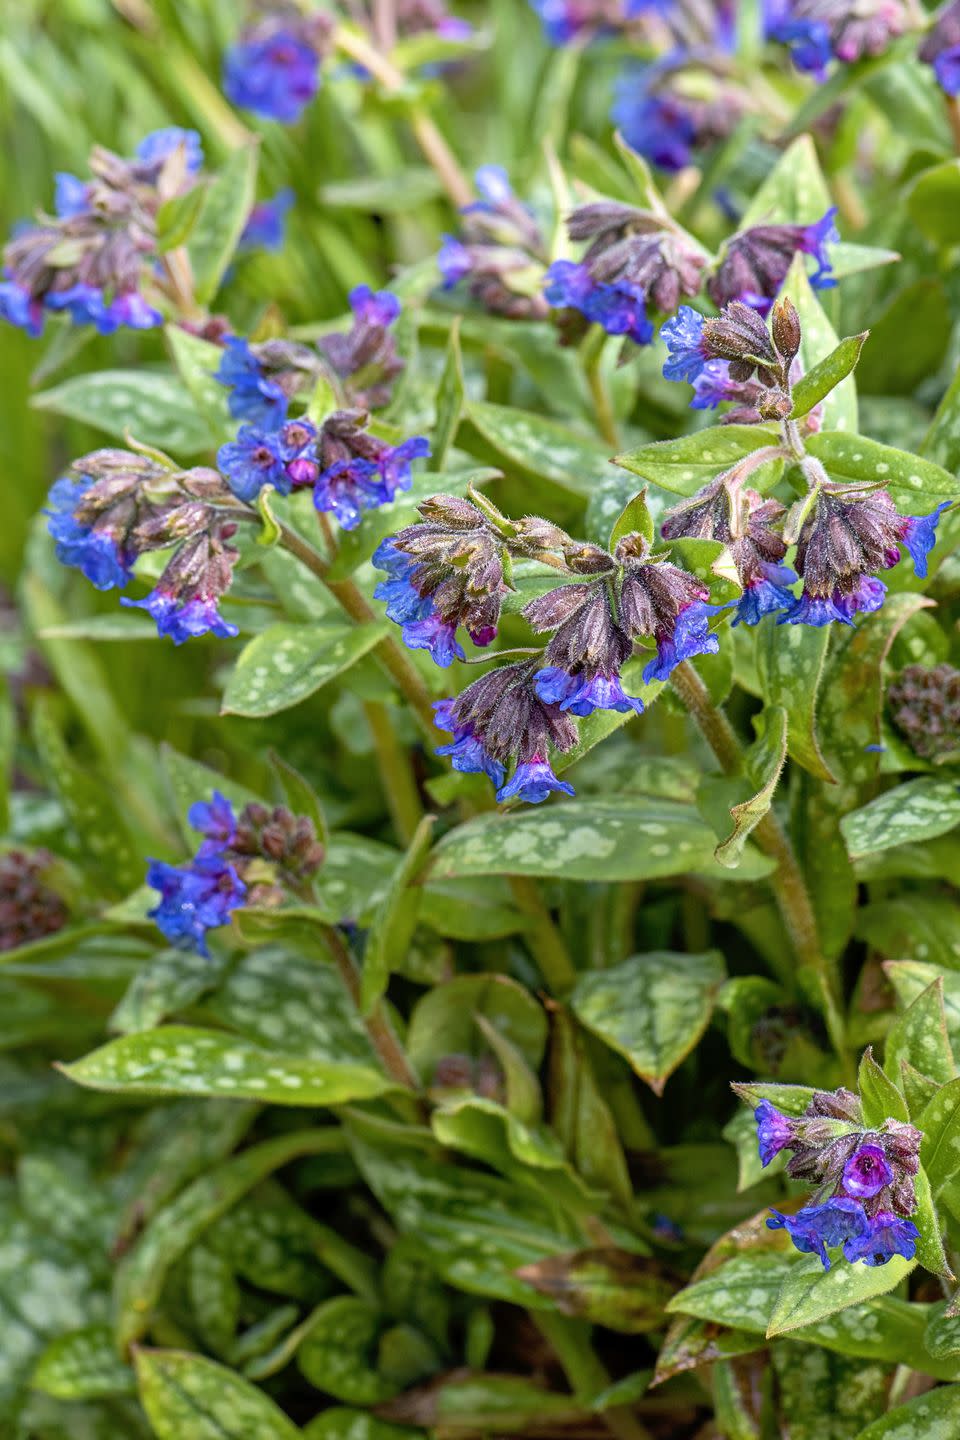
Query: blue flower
{"points": [[690, 636], [774, 1131], [86, 306], [251, 461], [946, 67], [155, 147], [866, 597], [765, 595], [69, 195], [216, 822], [274, 76], [18, 307], [374, 307], [404, 602], [254, 397], [835, 1222], [816, 610], [813, 241], [657, 124], [533, 781], [712, 386], [466, 750], [266, 223], [352, 485], [886, 1235], [619, 308], [583, 693], [919, 535], [183, 619], [95, 553], [809, 43], [683, 337], [454, 260], [493, 183], [436, 635], [194, 898]]}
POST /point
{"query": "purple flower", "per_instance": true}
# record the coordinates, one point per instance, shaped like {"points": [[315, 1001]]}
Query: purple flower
{"points": [[816, 610], [835, 1222], [154, 148], [86, 306], [254, 397], [266, 223], [885, 1235], [814, 241], [867, 1172], [809, 43], [404, 602], [215, 821], [774, 1131], [374, 307], [354, 484], [466, 750], [866, 597], [253, 460], [690, 636], [712, 386], [533, 781], [129, 308], [183, 619], [70, 195], [454, 260], [919, 536], [18, 307], [581, 694], [275, 76], [95, 553], [659, 124], [619, 308], [946, 67], [765, 595], [683, 337], [194, 898], [436, 635]]}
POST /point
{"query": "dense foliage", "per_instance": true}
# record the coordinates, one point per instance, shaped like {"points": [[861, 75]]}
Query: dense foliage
{"points": [[479, 950]]}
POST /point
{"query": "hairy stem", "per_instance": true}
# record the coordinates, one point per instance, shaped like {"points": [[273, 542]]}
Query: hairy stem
{"points": [[435, 148], [381, 1032], [787, 881], [396, 777]]}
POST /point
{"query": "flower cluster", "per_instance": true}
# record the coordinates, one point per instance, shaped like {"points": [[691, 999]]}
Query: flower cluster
{"points": [[362, 363], [820, 30], [634, 257], [925, 707], [756, 261], [94, 260], [348, 469], [567, 20], [501, 253], [863, 1179], [274, 68], [734, 358], [29, 908], [116, 505], [256, 858], [941, 48], [450, 571], [668, 120]]}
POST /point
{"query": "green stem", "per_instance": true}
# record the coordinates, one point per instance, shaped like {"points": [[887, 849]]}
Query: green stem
{"points": [[544, 939], [787, 881], [396, 777], [591, 355], [380, 1030], [585, 1371]]}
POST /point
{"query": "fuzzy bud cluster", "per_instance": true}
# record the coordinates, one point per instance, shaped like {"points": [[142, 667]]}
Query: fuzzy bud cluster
{"points": [[924, 704], [863, 1178], [500, 254], [756, 261], [736, 357], [847, 30], [29, 908]]}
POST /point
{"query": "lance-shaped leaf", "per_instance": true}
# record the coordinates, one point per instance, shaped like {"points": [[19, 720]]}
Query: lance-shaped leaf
{"points": [[764, 762], [810, 1294], [154, 406], [794, 192], [83, 1365], [634, 517], [188, 1397], [911, 479], [880, 1097], [917, 810], [686, 464], [930, 1251], [450, 401], [216, 233], [826, 375], [918, 1037], [395, 920], [934, 1416], [528, 444], [287, 663], [605, 1286], [335, 1352], [940, 1123], [652, 1008], [197, 360], [690, 1343], [484, 1404]]}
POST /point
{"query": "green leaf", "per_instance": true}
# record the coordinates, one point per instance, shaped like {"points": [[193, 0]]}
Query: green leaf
{"points": [[686, 464], [630, 838], [177, 217], [810, 1294], [826, 375], [142, 1272], [930, 1252], [919, 1037], [188, 1397], [227, 202], [396, 919], [609, 1287], [300, 795], [764, 762], [933, 203], [154, 406], [443, 1021], [941, 443], [190, 781], [853, 459], [790, 664], [794, 192], [824, 1396], [881, 1098], [635, 517], [83, 1365], [181, 1060], [819, 341], [527, 444], [940, 1123], [916, 810], [909, 339], [288, 662], [334, 1353], [450, 402], [168, 982], [910, 978], [341, 1423], [934, 1416], [652, 1009], [196, 361]]}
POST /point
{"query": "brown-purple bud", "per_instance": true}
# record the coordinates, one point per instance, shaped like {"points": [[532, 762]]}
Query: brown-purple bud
{"points": [[785, 325]]}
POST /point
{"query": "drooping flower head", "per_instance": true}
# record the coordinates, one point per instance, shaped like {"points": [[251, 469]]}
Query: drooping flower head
{"points": [[587, 649], [357, 471], [365, 360], [577, 20], [756, 261], [660, 600], [274, 68], [501, 253], [284, 458], [185, 600], [848, 30], [668, 121]]}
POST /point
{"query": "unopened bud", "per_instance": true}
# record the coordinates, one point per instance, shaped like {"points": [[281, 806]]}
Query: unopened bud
{"points": [[786, 328], [774, 405]]}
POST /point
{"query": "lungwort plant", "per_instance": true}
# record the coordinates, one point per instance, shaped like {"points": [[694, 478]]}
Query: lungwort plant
{"points": [[480, 953]]}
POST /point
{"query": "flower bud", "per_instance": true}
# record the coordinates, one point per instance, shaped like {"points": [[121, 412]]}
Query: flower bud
{"points": [[785, 326]]}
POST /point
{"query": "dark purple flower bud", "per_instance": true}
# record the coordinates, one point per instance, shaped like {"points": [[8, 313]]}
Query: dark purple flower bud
{"points": [[756, 261], [501, 253], [924, 704], [631, 247], [847, 29], [29, 908], [866, 1172], [366, 360]]}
